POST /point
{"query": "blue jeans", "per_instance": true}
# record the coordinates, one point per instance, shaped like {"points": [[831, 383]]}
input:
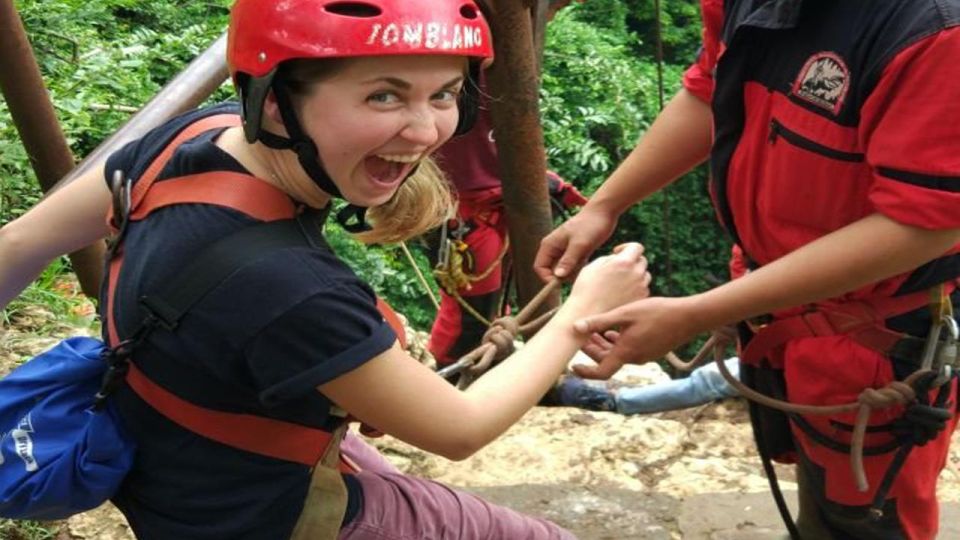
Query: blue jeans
{"points": [[705, 384]]}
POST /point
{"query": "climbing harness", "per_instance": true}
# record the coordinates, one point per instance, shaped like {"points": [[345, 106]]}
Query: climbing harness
{"points": [[284, 225], [454, 261], [921, 421]]}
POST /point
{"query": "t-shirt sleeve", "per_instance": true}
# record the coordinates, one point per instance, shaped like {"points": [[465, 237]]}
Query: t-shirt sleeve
{"points": [[698, 79], [122, 160], [135, 156], [328, 334], [910, 128]]}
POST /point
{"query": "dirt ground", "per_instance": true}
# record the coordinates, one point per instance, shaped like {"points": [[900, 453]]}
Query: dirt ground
{"points": [[684, 474]]}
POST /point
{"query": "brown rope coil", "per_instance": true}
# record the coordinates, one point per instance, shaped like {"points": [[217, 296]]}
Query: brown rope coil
{"points": [[870, 399]]}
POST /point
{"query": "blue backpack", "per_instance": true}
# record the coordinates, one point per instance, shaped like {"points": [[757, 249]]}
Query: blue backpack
{"points": [[52, 439], [63, 446]]}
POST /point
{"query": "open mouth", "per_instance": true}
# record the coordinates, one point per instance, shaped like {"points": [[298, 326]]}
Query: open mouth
{"points": [[390, 169]]}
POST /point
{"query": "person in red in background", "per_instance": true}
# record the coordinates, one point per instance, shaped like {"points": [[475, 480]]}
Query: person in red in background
{"points": [[474, 244], [833, 132], [471, 252]]}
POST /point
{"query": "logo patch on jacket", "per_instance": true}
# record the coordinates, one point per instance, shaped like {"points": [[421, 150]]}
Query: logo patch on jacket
{"points": [[823, 81]]}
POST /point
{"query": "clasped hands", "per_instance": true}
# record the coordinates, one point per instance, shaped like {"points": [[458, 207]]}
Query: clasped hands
{"points": [[634, 327]]}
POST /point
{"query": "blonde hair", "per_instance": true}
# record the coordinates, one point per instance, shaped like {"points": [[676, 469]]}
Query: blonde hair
{"points": [[422, 203]]}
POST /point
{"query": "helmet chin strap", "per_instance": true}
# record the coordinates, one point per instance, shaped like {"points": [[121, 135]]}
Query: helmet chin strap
{"points": [[351, 217]]}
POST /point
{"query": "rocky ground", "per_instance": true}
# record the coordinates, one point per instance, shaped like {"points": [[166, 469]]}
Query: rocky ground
{"points": [[687, 474]]}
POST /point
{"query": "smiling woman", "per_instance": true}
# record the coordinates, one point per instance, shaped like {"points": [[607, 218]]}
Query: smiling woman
{"points": [[266, 368], [374, 118]]}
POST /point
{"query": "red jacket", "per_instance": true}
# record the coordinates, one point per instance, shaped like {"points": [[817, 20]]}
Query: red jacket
{"points": [[828, 112]]}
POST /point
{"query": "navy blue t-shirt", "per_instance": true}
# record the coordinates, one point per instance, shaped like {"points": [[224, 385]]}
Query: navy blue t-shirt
{"points": [[260, 343]]}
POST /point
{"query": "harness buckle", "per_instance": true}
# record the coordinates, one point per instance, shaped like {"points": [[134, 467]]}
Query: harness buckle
{"points": [[948, 354], [121, 189]]}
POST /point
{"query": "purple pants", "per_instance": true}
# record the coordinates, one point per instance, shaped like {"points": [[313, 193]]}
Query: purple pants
{"points": [[401, 507]]}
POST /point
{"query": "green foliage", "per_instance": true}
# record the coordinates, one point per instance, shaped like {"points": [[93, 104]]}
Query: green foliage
{"points": [[599, 95], [58, 295], [389, 273], [679, 28], [591, 99], [18, 184], [97, 54], [27, 530], [679, 25], [114, 52]]}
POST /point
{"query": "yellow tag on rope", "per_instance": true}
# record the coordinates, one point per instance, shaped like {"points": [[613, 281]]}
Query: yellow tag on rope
{"points": [[941, 307]]}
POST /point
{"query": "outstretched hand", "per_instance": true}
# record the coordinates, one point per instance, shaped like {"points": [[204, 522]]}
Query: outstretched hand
{"points": [[600, 345], [565, 250], [647, 329]]}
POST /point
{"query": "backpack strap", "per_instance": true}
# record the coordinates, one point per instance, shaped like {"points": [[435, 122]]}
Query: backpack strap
{"points": [[260, 435], [281, 229]]}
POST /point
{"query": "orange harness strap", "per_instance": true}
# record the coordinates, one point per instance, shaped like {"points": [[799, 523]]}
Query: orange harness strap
{"points": [[862, 321], [257, 434], [261, 201], [153, 171]]}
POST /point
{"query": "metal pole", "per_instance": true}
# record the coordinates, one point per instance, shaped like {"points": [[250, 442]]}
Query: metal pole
{"points": [[33, 114], [513, 85]]}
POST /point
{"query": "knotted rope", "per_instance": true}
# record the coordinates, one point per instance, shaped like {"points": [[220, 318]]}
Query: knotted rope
{"points": [[902, 393], [452, 277], [719, 338], [497, 342]]}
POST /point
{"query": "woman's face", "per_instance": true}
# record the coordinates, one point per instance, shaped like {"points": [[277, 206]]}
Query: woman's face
{"points": [[376, 117]]}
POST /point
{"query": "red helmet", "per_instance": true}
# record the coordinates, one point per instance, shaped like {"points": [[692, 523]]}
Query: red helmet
{"points": [[264, 33]]}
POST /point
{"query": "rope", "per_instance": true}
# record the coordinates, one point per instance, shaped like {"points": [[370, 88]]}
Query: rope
{"points": [[894, 394], [453, 278], [871, 399], [470, 309], [718, 339], [423, 279], [497, 342]]}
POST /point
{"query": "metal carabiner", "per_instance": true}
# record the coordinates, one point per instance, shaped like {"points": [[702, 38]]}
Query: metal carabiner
{"points": [[120, 187], [947, 354], [930, 347], [443, 251]]}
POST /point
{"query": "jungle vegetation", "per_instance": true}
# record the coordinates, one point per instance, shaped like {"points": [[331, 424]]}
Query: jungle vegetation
{"points": [[102, 59]]}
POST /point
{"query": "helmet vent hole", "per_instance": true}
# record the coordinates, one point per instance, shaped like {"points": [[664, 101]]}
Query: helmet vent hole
{"points": [[469, 11], [354, 9]]}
